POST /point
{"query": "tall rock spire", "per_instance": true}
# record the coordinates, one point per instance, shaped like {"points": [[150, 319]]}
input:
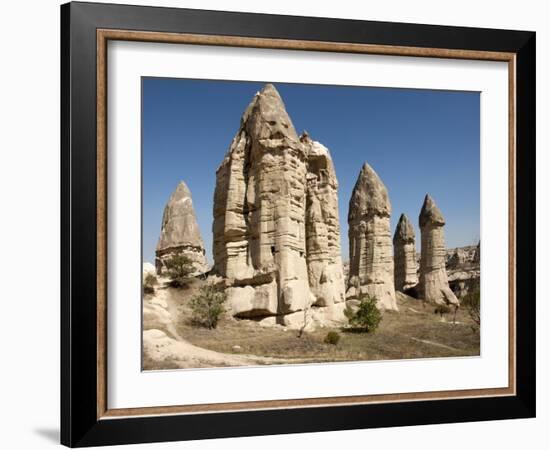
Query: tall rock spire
{"points": [[180, 233], [404, 255], [260, 212], [266, 117], [370, 246], [433, 284], [324, 257]]}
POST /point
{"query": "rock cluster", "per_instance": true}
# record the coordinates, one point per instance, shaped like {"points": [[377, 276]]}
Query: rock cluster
{"points": [[276, 230], [461, 256], [180, 233], [276, 247], [433, 286], [404, 255], [463, 269], [370, 244]]}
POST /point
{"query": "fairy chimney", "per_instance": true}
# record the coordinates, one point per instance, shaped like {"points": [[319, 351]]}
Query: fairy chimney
{"points": [[276, 248], [180, 233], [370, 244], [404, 255], [433, 284]]}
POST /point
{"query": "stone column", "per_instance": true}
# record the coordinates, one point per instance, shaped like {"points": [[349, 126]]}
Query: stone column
{"points": [[371, 253], [323, 254], [404, 255], [433, 284]]}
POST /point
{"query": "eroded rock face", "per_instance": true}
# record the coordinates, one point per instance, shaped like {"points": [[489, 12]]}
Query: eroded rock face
{"points": [[460, 257], [180, 233], [323, 253], [463, 269], [261, 205], [433, 286], [404, 255], [370, 244]]}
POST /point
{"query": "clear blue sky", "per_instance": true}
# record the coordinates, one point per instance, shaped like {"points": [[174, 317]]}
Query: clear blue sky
{"points": [[418, 141]]}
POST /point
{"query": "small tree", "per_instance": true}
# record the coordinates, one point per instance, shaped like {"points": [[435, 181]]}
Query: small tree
{"points": [[179, 267], [367, 317], [304, 324], [471, 302], [208, 306], [149, 283]]}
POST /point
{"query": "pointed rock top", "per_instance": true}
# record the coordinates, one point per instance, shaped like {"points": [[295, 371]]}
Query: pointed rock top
{"points": [[404, 232], [319, 161], [266, 116], [269, 89], [181, 190], [430, 214], [179, 224], [370, 196]]}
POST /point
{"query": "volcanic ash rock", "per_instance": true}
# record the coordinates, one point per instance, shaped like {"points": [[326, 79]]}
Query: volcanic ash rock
{"points": [[433, 284], [463, 269], [324, 260], [180, 233], [370, 244], [404, 255], [260, 211]]}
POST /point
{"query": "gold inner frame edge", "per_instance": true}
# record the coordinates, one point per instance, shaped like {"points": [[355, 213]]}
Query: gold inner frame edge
{"points": [[104, 35]]}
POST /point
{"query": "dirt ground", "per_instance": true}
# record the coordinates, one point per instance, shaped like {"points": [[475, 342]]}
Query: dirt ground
{"points": [[413, 332]]}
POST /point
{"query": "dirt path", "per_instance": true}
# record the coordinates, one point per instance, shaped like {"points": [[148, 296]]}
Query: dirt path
{"points": [[436, 344], [164, 346]]}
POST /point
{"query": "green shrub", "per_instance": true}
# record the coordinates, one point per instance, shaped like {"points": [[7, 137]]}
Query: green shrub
{"points": [[208, 306], [442, 310], [367, 317], [148, 289], [332, 337], [149, 283], [471, 302], [179, 267]]}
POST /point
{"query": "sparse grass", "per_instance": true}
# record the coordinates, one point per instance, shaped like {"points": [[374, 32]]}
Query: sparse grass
{"points": [[442, 310], [413, 332], [472, 305], [149, 364]]}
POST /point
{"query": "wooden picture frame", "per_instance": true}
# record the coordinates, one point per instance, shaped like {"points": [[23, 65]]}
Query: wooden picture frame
{"points": [[85, 417]]}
